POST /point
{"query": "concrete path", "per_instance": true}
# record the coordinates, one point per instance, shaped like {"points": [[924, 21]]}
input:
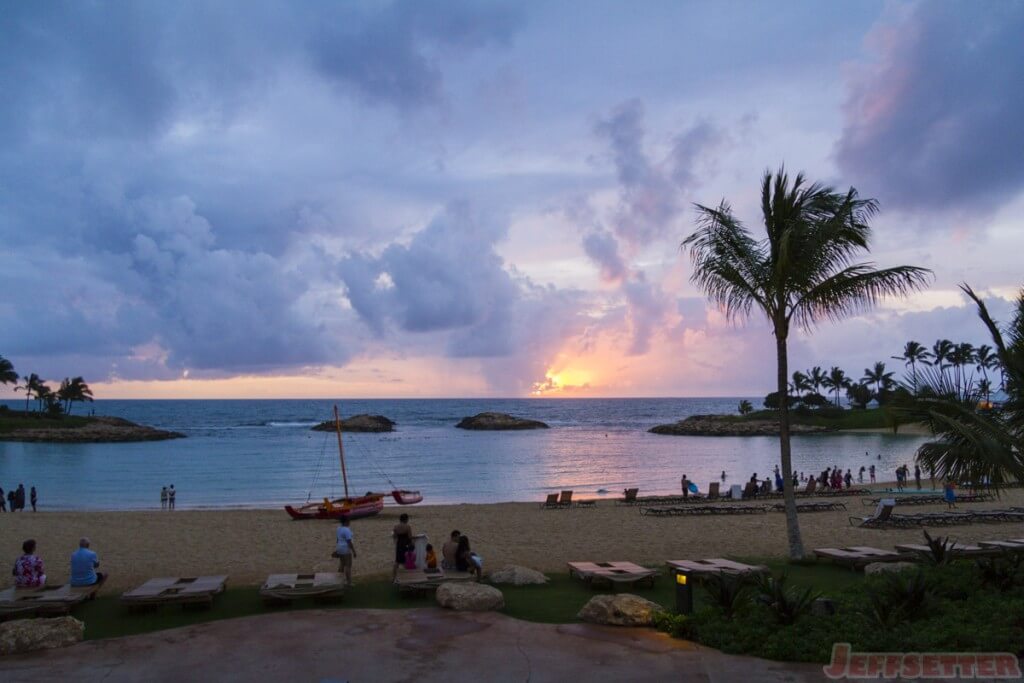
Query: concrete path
{"points": [[417, 645]]}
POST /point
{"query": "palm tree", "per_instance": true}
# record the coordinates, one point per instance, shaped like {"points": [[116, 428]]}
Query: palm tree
{"points": [[43, 395], [7, 373], [802, 273], [74, 390], [31, 386], [913, 353], [836, 381], [877, 376], [800, 383], [961, 357], [745, 407], [816, 377], [986, 361], [942, 351]]}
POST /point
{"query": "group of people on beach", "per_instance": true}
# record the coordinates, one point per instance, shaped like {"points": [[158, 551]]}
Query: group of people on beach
{"points": [[29, 571], [456, 554], [16, 499], [167, 495]]}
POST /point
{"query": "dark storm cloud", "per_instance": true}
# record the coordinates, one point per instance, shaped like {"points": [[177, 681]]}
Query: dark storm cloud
{"points": [[603, 249], [934, 120]]}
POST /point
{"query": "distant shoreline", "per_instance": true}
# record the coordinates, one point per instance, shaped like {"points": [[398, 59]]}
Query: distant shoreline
{"points": [[39, 428]]}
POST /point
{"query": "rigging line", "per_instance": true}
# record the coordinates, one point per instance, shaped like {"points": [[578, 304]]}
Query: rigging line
{"points": [[319, 467]]}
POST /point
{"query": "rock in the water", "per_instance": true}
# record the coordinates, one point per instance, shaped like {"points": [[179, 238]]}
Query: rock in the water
{"points": [[622, 609], [499, 421], [517, 576], [880, 567], [469, 597], [729, 425], [359, 423], [26, 635]]}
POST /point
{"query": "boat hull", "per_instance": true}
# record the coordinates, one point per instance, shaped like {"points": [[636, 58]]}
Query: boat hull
{"points": [[353, 508], [406, 497]]}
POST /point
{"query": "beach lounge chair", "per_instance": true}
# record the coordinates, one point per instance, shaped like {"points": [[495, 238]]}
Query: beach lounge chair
{"points": [[817, 506], [628, 497], [718, 565], [423, 580], [858, 557], [882, 516], [613, 573], [750, 491], [45, 601], [288, 587], [551, 503], [956, 549], [199, 590], [566, 499], [713, 489], [1011, 546], [735, 491], [812, 485]]}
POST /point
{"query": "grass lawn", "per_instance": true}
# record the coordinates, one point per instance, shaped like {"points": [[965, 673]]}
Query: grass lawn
{"points": [[870, 418], [556, 602], [16, 419]]}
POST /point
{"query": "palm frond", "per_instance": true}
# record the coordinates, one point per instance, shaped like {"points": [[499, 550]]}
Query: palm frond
{"points": [[855, 289]]}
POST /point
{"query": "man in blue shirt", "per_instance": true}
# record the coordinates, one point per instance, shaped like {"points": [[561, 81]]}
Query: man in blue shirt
{"points": [[83, 566]]}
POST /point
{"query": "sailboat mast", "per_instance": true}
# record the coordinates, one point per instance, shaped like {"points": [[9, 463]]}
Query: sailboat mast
{"points": [[341, 449]]}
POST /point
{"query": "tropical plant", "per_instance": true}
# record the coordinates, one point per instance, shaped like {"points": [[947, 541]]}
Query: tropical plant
{"points": [[805, 271], [986, 360], [859, 394], [31, 385], [745, 407], [975, 445], [7, 373], [800, 383], [726, 591], [43, 396], [941, 353], [1002, 572], [962, 357], [913, 353], [895, 598], [787, 604], [878, 376], [816, 378], [72, 390], [836, 381], [940, 550]]}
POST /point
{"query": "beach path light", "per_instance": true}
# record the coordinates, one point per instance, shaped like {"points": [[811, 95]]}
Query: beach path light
{"points": [[684, 592]]}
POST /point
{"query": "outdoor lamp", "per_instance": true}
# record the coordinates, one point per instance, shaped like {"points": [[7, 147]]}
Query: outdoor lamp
{"points": [[684, 593]]}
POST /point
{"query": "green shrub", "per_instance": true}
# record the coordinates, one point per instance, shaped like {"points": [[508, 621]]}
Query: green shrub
{"points": [[727, 591], [786, 604], [676, 625]]}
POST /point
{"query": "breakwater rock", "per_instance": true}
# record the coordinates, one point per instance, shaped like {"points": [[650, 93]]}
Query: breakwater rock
{"points": [[359, 423], [87, 430], [498, 421], [728, 425]]}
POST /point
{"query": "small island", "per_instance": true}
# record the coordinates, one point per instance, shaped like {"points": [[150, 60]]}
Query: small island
{"points": [[728, 425], [498, 421], [25, 426], [359, 423]]}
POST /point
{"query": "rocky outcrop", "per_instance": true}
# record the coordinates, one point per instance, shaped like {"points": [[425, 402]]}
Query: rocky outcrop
{"points": [[359, 423], [469, 597], [90, 430], [26, 635], [883, 567], [622, 609], [728, 425], [498, 421], [517, 576]]}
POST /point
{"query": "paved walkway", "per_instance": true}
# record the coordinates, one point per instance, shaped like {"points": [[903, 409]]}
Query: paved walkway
{"points": [[417, 645]]}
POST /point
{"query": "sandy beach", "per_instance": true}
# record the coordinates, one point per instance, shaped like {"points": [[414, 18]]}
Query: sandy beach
{"points": [[250, 544]]}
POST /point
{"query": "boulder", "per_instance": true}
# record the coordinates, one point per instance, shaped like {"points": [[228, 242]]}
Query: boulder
{"points": [[26, 635], [495, 421], [517, 576], [622, 609], [469, 597], [879, 567], [359, 423]]}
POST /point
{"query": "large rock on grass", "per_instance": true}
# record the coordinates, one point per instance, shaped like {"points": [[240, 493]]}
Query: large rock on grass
{"points": [[497, 421], [359, 423], [469, 597], [882, 567], [622, 609], [26, 635], [517, 576]]}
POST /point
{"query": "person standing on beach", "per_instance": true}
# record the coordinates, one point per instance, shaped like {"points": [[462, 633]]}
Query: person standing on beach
{"points": [[3, 501], [19, 496], [163, 498], [917, 476], [402, 533], [33, 498], [872, 471], [685, 483], [949, 493], [345, 550], [723, 475], [170, 497], [10, 499]]}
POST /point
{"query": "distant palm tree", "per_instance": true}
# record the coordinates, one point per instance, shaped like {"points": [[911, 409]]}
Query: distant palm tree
{"points": [[31, 385], [816, 377], [43, 395], [72, 390], [986, 360], [962, 357], [7, 373], [800, 383], [745, 407], [913, 353], [878, 376], [836, 381], [941, 353], [802, 273]]}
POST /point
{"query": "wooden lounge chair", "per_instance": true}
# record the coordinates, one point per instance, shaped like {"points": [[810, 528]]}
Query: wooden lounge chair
{"points": [[743, 509], [629, 497], [551, 503], [815, 506], [45, 601], [566, 499], [812, 485], [288, 587], [701, 568], [613, 573], [858, 557], [1011, 546], [750, 491], [881, 518], [957, 549], [422, 580], [713, 490], [199, 590]]}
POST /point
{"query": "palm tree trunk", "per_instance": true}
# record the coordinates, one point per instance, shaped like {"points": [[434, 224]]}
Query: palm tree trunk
{"points": [[796, 546]]}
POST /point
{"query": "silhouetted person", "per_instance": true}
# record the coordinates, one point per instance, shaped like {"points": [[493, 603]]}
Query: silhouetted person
{"points": [[33, 498], [170, 497], [3, 501]]}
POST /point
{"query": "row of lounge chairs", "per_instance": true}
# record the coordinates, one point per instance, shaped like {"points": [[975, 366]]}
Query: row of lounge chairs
{"points": [[931, 499], [738, 509], [564, 501], [884, 517], [749, 492], [628, 573], [857, 557]]}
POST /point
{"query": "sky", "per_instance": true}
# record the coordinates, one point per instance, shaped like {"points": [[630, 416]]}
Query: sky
{"points": [[473, 198]]}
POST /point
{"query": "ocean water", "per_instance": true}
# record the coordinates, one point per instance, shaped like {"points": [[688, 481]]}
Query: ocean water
{"points": [[262, 453]]}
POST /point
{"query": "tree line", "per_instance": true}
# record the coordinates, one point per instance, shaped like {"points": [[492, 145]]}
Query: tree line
{"points": [[54, 402]]}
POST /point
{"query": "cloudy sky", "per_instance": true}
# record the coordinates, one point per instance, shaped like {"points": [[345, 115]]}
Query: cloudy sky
{"points": [[221, 199]]}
